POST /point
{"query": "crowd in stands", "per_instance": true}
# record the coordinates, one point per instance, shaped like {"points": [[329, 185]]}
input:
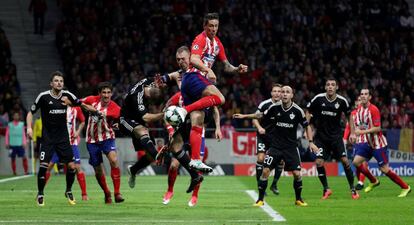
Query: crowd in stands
{"points": [[10, 101], [300, 43]]}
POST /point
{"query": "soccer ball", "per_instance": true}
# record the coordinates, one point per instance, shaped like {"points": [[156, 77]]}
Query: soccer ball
{"points": [[171, 116]]}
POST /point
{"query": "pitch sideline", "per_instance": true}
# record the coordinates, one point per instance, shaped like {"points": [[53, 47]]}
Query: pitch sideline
{"points": [[268, 210]]}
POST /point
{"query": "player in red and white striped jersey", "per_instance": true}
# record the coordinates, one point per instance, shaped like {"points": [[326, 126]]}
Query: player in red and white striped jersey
{"points": [[347, 132], [370, 142], [100, 138]]}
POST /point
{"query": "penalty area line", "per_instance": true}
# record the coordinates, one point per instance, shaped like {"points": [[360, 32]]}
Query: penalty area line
{"points": [[268, 210], [14, 178]]}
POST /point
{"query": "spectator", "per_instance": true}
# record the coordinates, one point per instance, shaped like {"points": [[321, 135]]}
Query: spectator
{"points": [[38, 8]]}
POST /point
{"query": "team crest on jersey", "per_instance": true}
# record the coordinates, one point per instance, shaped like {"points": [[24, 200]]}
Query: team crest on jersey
{"points": [[323, 104], [33, 107], [278, 114], [50, 103], [216, 48], [337, 105], [292, 116], [141, 107], [195, 47]]}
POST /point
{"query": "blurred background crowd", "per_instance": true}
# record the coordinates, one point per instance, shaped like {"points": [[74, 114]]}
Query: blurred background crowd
{"points": [[297, 42]]}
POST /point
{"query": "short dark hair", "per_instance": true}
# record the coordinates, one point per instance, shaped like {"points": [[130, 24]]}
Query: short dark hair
{"points": [[104, 85], [56, 73], [210, 16], [183, 49], [331, 78]]}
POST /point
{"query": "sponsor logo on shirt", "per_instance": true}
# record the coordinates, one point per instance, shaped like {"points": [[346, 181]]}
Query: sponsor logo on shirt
{"points": [[328, 113], [286, 125], [57, 111]]}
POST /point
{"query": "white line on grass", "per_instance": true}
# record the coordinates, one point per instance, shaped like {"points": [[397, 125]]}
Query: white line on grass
{"points": [[14, 178], [271, 212], [132, 221]]}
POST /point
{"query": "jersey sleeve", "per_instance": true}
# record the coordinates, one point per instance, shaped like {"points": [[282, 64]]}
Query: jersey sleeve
{"points": [[36, 105], [80, 115], [89, 100], [347, 108], [198, 45], [75, 101], [114, 111], [375, 116], [222, 53], [312, 106]]}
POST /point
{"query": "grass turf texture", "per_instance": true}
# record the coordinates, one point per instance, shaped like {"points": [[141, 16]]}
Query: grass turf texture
{"points": [[222, 200]]}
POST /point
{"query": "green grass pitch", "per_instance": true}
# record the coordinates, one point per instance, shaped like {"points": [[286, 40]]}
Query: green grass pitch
{"points": [[222, 200]]}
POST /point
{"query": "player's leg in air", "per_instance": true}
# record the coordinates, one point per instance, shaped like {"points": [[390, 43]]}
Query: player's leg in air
{"points": [[198, 93], [141, 140], [381, 155], [278, 173], [363, 153]]}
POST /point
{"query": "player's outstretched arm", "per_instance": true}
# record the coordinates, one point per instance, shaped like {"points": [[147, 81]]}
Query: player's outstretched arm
{"points": [[248, 116], [228, 68]]}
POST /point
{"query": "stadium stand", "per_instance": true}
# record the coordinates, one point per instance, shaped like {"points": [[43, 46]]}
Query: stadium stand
{"points": [[363, 44]]}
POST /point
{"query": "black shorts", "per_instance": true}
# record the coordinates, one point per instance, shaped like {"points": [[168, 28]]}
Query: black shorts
{"points": [[290, 156], [262, 143], [63, 150], [127, 126], [330, 147]]}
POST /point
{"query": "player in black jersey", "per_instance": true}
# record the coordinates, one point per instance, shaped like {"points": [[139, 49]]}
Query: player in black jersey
{"points": [[324, 112], [55, 137], [285, 116], [133, 121], [262, 136]]}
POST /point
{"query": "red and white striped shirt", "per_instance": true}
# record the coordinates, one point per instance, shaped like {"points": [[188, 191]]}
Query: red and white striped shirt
{"points": [[366, 118], [74, 114], [208, 50], [101, 129]]}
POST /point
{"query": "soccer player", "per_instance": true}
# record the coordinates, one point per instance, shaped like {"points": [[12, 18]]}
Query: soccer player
{"points": [[179, 140], [74, 114], [285, 117], [100, 138], [326, 110], [183, 61], [263, 137], [16, 141], [347, 132], [55, 137], [197, 86], [134, 122], [372, 143]]}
